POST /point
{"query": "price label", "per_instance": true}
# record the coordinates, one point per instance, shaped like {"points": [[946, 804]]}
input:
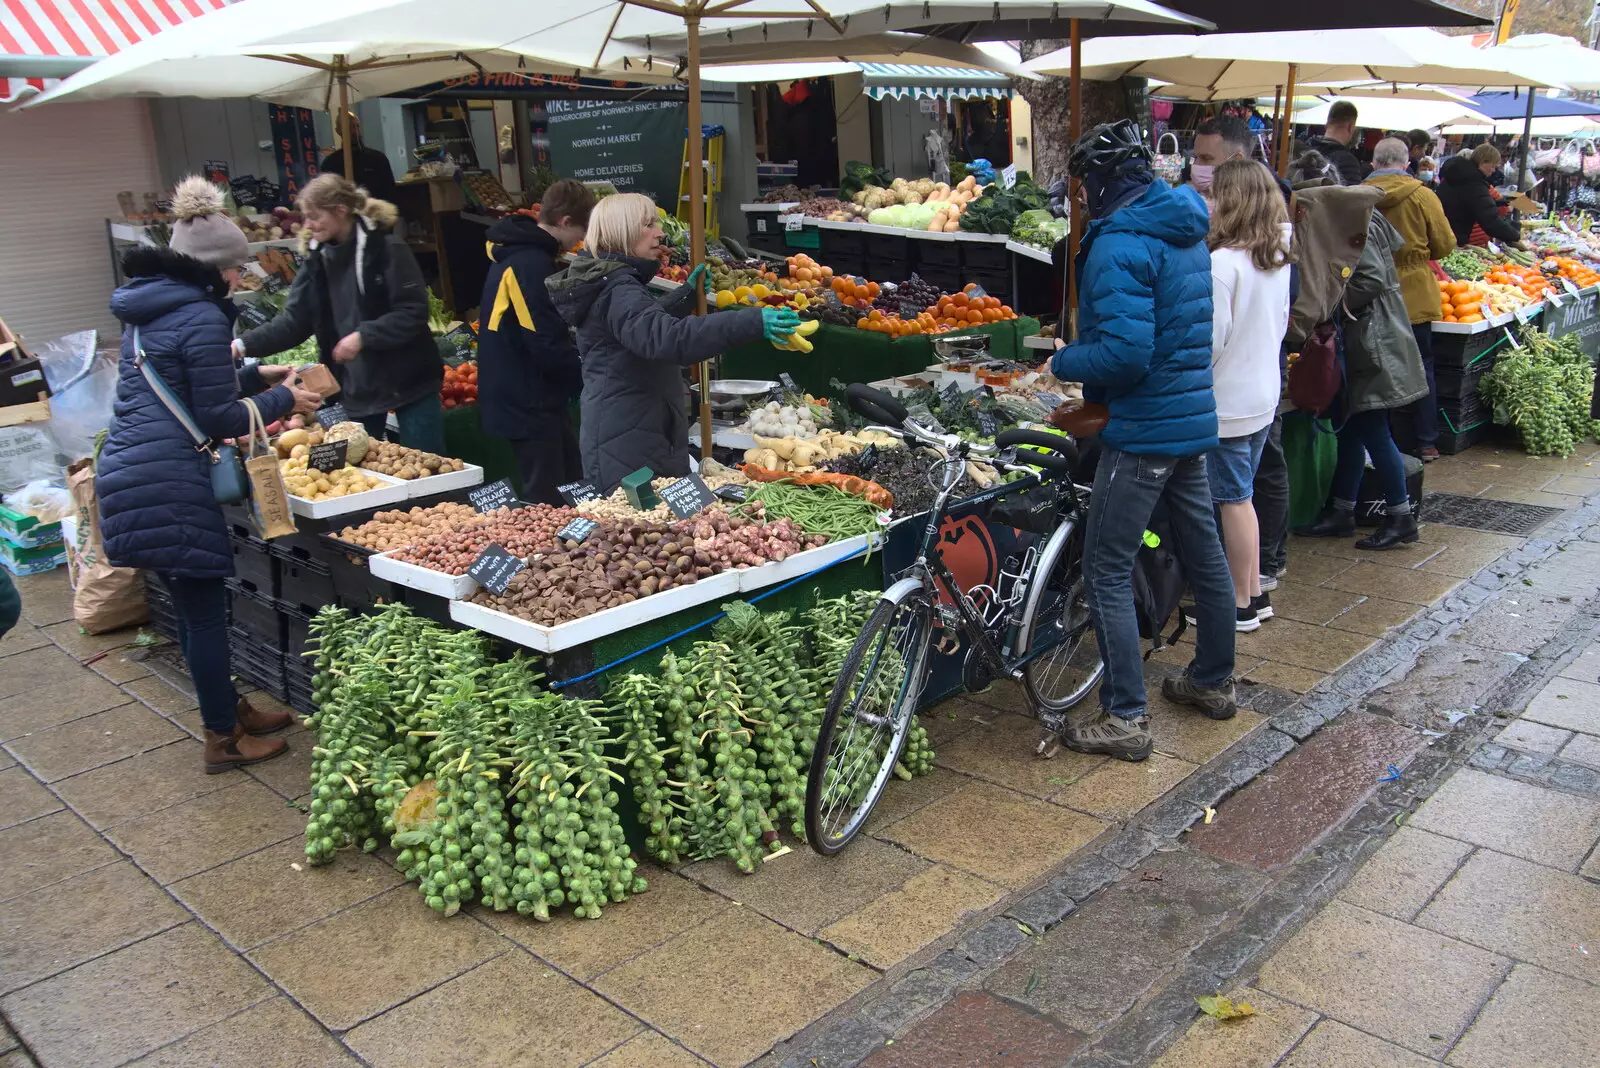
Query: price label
{"points": [[329, 456], [688, 496], [831, 299], [791, 223], [578, 530], [869, 456], [494, 495], [988, 425], [1566, 283], [253, 315], [787, 383], [977, 293], [329, 414], [1008, 176], [1513, 339], [578, 492], [910, 309], [1494, 249], [495, 568], [950, 396], [761, 224], [734, 494]]}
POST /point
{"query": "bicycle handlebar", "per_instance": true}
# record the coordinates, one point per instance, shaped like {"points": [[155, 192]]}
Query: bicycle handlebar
{"points": [[1062, 464], [875, 404]]}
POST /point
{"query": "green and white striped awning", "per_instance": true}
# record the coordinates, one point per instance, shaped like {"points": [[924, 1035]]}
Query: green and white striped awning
{"points": [[902, 80]]}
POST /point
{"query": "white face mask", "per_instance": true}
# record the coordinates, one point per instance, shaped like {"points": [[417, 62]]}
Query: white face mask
{"points": [[1425, 176]]}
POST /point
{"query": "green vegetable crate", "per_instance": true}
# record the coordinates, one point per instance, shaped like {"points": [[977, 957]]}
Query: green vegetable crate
{"points": [[25, 531]]}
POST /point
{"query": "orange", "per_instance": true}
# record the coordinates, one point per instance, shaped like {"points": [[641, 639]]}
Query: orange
{"points": [[1473, 318], [974, 316]]}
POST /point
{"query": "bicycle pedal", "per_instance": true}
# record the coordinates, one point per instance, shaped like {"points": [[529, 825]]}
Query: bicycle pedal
{"points": [[1048, 745]]}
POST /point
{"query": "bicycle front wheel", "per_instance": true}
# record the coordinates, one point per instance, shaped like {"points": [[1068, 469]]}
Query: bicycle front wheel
{"points": [[867, 719], [1057, 629]]}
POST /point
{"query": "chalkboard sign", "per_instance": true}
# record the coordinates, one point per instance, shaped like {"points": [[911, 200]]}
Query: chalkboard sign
{"points": [[254, 314], [869, 456], [831, 299], [578, 492], [988, 425], [495, 568], [787, 383], [735, 494], [950, 395], [910, 309], [494, 495], [688, 496], [577, 530], [329, 414], [329, 456]]}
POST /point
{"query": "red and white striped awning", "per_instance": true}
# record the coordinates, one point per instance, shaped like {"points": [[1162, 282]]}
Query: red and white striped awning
{"points": [[87, 28]]}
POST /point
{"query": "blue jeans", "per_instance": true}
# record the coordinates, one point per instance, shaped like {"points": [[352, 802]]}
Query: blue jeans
{"points": [[202, 608], [1126, 489], [1366, 434], [1425, 411], [421, 425]]}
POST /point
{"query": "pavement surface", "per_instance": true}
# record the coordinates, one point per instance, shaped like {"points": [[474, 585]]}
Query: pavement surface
{"points": [[1001, 910]]}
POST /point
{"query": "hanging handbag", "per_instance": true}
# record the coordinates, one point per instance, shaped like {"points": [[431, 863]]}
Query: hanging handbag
{"points": [[1591, 165], [1168, 165], [1570, 161], [1316, 376], [228, 484]]}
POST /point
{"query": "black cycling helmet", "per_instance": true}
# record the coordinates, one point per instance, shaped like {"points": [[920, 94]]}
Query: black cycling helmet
{"points": [[1109, 149]]}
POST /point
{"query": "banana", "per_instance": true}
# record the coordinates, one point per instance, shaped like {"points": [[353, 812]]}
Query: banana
{"points": [[808, 327], [798, 343]]}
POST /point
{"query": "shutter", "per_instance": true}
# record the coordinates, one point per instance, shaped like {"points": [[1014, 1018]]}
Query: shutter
{"points": [[62, 166]]}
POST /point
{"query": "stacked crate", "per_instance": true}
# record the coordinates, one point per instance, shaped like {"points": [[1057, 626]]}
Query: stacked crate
{"points": [[1459, 363]]}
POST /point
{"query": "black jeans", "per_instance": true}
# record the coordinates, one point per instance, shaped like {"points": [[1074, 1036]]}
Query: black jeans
{"points": [[202, 607], [1425, 412], [1272, 502], [547, 458]]}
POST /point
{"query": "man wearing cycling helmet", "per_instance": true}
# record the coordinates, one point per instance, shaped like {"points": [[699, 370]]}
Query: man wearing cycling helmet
{"points": [[1144, 351]]}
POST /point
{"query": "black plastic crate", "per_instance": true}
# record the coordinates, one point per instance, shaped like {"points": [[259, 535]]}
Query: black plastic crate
{"points": [[296, 630], [307, 583], [1456, 413], [770, 241], [842, 243], [255, 566], [1453, 437], [1459, 351], [985, 256], [256, 616], [853, 264], [258, 666], [354, 584], [940, 253], [994, 283], [885, 267], [1453, 383], [948, 279]]}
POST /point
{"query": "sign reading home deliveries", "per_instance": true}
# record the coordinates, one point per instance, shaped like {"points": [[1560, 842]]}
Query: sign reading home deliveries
{"points": [[636, 145]]}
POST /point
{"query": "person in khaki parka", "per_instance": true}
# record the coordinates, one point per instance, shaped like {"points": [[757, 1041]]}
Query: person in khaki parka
{"points": [[1414, 210]]}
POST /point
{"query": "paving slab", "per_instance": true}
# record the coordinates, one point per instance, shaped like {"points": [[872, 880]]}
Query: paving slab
{"points": [[586, 948], [1302, 645], [1450, 675], [271, 1034], [954, 716], [1519, 620], [288, 776], [1117, 789], [35, 710], [1393, 583], [47, 601], [1098, 961], [1310, 568], [1583, 749], [1296, 680], [1535, 1020], [1186, 734], [69, 748], [22, 798], [36, 669], [1568, 704], [208, 830], [509, 1011], [1332, 1044], [651, 1049], [1403, 875], [127, 1003], [161, 696], [732, 987], [804, 890], [1003, 753], [1408, 986], [1277, 817], [1023, 837], [360, 962], [1525, 911], [1256, 1042], [149, 782], [930, 905], [1586, 668], [61, 926], [262, 895], [1306, 603], [122, 666], [978, 1031], [48, 850], [22, 637], [1545, 826], [1530, 737], [902, 798]]}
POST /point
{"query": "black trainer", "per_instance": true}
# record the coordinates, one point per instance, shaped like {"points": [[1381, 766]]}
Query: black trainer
{"points": [[1261, 603], [1245, 619]]}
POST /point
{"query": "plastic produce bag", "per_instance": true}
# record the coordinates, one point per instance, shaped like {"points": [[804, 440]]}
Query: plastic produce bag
{"points": [[105, 597], [83, 409]]}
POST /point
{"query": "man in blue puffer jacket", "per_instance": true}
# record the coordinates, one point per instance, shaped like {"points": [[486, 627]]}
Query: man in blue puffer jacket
{"points": [[1144, 351]]}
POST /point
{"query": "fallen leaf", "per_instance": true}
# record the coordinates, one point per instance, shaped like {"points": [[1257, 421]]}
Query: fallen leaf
{"points": [[1220, 1008], [1033, 981]]}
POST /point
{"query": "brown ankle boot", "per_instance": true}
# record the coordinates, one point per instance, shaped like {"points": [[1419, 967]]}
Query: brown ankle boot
{"points": [[227, 751], [254, 721]]}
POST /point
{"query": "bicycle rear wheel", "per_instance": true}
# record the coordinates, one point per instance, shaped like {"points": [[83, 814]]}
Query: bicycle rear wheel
{"points": [[867, 719], [1056, 626]]}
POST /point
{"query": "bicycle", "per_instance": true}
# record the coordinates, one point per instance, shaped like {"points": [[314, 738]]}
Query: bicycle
{"points": [[1033, 626]]}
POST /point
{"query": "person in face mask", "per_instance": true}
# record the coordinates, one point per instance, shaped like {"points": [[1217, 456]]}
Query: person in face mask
{"points": [[1215, 142]]}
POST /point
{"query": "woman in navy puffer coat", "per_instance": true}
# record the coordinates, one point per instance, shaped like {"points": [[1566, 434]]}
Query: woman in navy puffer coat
{"points": [[157, 510]]}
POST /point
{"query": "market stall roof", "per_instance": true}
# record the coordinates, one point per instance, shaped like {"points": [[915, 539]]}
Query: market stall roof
{"points": [[1309, 95], [901, 80], [790, 60], [42, 41], [1563, 58], [1226, 65], [1395, 114], [1553, 126], [1515, 105]]}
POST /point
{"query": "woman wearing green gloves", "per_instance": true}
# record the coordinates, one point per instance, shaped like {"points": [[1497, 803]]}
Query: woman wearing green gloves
{"points": [[635, 405]]}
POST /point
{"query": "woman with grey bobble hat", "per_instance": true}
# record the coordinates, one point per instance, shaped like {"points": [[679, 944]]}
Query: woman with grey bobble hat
{"points": [[157, 507]]}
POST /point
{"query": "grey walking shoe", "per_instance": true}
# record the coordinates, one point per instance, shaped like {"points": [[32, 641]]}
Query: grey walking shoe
{"points": [[1126, 739], [1218, 704]]}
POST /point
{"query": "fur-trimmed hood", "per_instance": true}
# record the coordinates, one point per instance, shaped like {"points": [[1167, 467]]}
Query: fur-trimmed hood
{"points": [[160, 280], [376, 216]]}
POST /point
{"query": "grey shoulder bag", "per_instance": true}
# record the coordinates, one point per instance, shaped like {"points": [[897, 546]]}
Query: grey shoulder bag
{"points": [[228, 484]]}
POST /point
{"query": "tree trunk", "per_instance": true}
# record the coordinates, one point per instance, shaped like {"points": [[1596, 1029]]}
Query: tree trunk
{"points": [[1048, 101]]}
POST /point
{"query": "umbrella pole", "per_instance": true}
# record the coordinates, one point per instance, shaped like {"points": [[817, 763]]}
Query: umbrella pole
{"points": [[341, 70], [1286, 138], [697, 215], [1277, 111], [1069, 314], [1527, 138]]}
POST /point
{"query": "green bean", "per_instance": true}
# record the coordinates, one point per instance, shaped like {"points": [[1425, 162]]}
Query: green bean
{"points": [[818, 509]]}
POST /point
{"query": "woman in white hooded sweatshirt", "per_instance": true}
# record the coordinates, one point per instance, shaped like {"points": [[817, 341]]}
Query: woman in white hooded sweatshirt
{"points": [[1250, 258]]}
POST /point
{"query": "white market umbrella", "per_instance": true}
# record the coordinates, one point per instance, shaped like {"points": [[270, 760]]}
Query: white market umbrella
{"points": [[1543, 126], [775, 62], [1391, 114], [1561, 57]]}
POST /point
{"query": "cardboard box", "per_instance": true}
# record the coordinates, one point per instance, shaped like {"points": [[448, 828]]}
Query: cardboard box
{"points": [[21, 382], [315, 376], [26, 531]]}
